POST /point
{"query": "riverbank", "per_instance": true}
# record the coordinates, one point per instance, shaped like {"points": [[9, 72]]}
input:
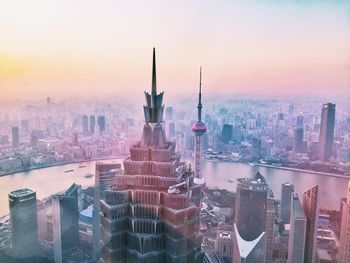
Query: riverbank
{"points": [[61, 163], [282, 168], [301, 170]]}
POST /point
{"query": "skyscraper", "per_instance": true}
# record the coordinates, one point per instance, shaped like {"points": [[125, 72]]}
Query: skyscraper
{"points": [[296, 243], [310, 205], [151, 214], [255, 212], [250, 215], [248, 251], [101, 121], [104, 178], [92, 124], [65, 224], [24, 224], [326, 131], [85, 124], [286, 198], [226, 133], [15, 136], [171, 129], [169, 113], [344, 244], [198, 129], [298, 140]]}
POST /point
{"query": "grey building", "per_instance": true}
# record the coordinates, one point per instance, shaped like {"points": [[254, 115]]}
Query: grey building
{"points": [[65, 224], [255, 212], [286, 197], [104, 178], [92, 124], [15, 136], [251, 203], [296, 243], [85, 124], [101, 122], [326, 131], [24, 224]]}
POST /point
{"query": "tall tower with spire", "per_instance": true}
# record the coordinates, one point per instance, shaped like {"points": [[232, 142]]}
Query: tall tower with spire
{"points": [[152, 211], [198, 129]]}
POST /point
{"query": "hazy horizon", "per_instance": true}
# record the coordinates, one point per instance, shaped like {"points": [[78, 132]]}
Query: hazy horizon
{"points": [[260, 48]]}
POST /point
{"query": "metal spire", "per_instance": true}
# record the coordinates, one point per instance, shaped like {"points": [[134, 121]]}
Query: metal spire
{"points": [[199, 107], [154, 77]]}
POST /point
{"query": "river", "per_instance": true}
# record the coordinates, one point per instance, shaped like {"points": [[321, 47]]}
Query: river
{"points": [[48, 181]]}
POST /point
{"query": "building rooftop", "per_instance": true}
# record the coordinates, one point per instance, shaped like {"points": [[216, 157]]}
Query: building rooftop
{"points": [[21, 192]]}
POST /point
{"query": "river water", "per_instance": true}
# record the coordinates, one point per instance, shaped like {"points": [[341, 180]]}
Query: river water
{"points": [[48, 181]]}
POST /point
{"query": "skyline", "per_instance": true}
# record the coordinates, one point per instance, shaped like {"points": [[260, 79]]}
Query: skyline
{"points": [[256, 48]]}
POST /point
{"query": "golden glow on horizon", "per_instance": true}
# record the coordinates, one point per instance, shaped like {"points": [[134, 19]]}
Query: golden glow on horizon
{"points": [[89, 47]]}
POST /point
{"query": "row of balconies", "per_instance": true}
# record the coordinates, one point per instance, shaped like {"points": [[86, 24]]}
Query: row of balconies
{"points": [[143, 244], [143, 181], [164, 169], [138, 153], [147, 197], [150, 226]]}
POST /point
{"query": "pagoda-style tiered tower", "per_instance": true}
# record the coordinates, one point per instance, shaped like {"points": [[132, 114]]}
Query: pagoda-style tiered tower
{"points": [[152, 212]]}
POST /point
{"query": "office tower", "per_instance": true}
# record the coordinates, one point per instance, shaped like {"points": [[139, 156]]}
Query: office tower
{"points": [[286, 199], [326, 131], [300, 122], [65, 224], [237, 134], [198, 130], [226, 133], [311, 206], [296, 243], [169, 113], [101, 122], [248, 251], [344, 242], [250, 216], [270, 218], [25, 126], [171, 129], [85, 123], [92, 124], [48, 100], [280, 116], [24, 225], [298, 140], [151, 214], [255, 211], [15, 136], [256, 144], [291, 110], [105, 176]]}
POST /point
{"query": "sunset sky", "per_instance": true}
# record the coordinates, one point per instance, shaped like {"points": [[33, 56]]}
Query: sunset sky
{"points": [[86, 47]]}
